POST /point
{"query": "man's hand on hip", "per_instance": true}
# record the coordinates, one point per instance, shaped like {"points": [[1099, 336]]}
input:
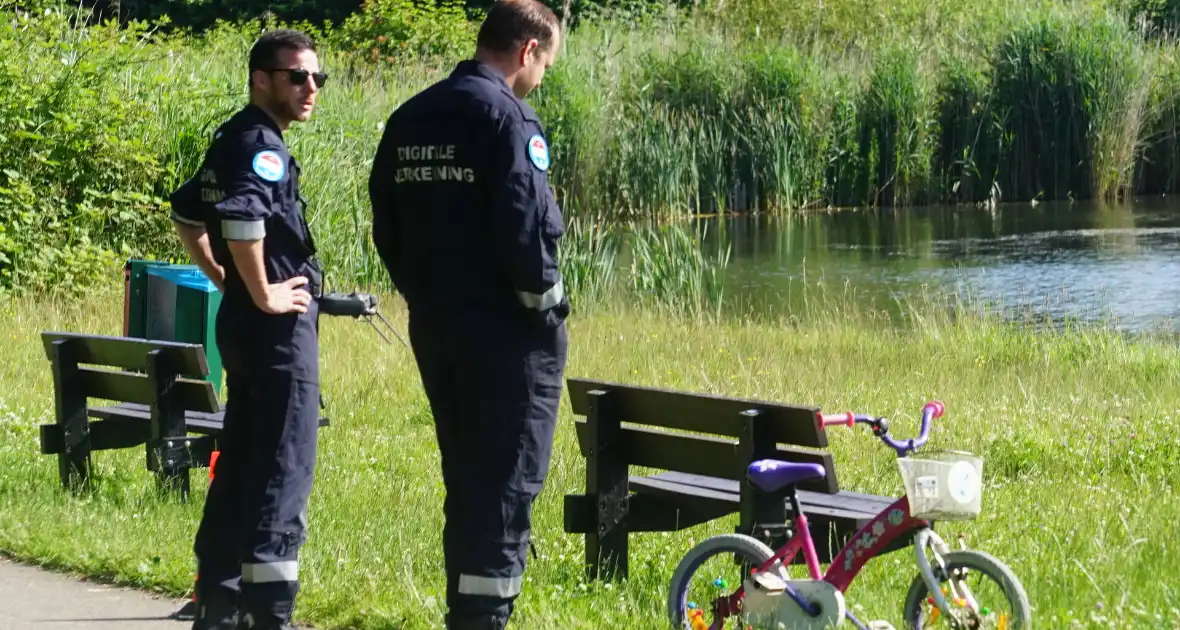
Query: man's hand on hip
{"points": [[286, 297]]}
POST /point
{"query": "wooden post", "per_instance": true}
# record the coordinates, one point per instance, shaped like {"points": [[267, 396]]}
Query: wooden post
{"points": [[69, 397], [763, 516], [167, 448], [606, 486]]}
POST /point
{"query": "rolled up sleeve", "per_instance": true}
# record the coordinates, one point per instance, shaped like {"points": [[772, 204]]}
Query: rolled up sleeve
{"points": [[249, 179], [186, 205]]}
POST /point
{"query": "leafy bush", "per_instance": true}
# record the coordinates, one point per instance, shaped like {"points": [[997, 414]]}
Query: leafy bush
{"points": [[393, 30], [77, 185], [1161, 15]]}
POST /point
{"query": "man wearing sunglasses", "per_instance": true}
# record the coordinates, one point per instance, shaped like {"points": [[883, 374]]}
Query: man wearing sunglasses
{"points": [[241, 220], [466, 224]]}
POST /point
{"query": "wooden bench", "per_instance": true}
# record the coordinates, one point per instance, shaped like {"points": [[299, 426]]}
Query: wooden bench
{"points": [[156, 385], [160, 401], [706, 474]]}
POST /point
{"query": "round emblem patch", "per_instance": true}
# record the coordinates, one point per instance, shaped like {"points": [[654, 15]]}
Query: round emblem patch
{"points": [[269, 166], [539, 152]]}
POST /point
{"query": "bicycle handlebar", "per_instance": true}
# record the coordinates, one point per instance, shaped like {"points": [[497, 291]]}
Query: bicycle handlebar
{"points": [[931, 410]]}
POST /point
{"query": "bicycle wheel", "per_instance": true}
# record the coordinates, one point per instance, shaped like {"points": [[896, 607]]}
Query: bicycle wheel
{"points": [[1002, 604], [682, 592]]}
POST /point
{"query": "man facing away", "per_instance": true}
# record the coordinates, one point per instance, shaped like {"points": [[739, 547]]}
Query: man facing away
{"points": [[467, 226], [241, 220]]}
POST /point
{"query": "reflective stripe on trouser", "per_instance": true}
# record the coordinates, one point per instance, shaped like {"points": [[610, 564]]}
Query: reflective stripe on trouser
{"points": [[494, 394], [255, 516], [543, 301]]}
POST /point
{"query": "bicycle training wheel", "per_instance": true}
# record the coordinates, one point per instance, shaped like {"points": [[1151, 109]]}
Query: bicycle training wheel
{"points": [[709, 600], [999, 598]]}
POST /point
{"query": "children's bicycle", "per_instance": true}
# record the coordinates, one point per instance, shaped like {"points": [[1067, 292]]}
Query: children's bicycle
{"points": [[946, 486]]}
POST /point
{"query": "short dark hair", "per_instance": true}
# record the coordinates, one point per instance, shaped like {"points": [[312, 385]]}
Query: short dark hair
{"points": [[264, 55], [511, 23]]}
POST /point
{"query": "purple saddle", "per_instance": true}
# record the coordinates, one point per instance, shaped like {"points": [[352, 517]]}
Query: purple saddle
{"points": [[773, 475]]}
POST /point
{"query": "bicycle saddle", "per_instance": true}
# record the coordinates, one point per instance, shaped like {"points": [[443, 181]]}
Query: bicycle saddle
{"points": [[772, 475]]}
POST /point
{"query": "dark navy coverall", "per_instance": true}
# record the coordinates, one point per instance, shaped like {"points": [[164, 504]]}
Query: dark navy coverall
{"points": [[255, 516], [467, 226]]}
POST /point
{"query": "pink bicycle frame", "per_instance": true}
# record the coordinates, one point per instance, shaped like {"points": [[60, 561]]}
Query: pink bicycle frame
{"points": [[873, 538]]}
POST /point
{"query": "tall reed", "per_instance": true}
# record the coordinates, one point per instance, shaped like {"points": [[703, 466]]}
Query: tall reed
{"points": [[671, 273], [1070, 92]]}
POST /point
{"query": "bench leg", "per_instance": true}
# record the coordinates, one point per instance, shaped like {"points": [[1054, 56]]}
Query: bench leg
{"points": [[171, 459], [607, 550], [763, 515], [168, 450], [73, 462], [606, 483], [73, 468]]}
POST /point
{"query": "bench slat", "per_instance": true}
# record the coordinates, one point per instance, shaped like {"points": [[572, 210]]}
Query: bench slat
{"points": [[702, 413], [834, 506], [196, 421], [655, 486], [864, 505], [129, 353], [191, 394], [703, 455]]}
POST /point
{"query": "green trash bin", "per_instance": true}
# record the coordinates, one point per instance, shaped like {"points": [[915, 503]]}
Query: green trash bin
{"points": [[173, 303]]}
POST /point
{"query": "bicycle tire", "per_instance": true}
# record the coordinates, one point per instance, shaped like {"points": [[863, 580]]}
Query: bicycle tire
{"points": [[748, 547], [989, 566]]}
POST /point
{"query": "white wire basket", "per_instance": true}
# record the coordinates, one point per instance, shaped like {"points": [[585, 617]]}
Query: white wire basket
{"points": [[943, 486]]}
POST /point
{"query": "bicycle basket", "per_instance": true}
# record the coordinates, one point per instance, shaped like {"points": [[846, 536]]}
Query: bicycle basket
{"points": [[946, 486]]}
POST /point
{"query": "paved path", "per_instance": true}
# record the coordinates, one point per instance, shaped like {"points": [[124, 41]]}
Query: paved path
{"points": [[36, 599]]}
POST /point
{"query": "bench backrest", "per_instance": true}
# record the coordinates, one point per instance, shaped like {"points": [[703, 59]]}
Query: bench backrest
{"points": [[141, 366], [743, 430]]}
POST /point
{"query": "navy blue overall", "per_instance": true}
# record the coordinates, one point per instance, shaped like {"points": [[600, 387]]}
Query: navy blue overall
{"points": [[255, 517], [467, 226]]}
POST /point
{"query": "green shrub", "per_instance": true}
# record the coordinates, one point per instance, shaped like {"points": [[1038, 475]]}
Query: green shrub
{"points": [[77, 184], [396, 30]]}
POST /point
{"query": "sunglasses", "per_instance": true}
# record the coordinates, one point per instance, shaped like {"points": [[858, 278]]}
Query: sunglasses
{"points": [[298, 76]]}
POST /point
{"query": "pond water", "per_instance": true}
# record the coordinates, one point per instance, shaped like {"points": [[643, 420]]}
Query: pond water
{"points": [[1117, 264]]}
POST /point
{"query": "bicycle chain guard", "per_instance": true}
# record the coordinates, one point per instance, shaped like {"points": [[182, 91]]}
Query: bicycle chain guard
{"points": [[767, 603], [357, 305]]}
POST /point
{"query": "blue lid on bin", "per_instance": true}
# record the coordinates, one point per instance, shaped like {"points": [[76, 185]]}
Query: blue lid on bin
{"points": [[189, 276]]}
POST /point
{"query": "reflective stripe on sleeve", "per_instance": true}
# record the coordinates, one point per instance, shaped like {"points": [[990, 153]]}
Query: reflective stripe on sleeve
{"points": [[243, 230], [180, 219]]}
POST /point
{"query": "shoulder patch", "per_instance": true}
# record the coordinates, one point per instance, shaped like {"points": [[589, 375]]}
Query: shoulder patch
{"points": [[539, 152], [269, 166]]}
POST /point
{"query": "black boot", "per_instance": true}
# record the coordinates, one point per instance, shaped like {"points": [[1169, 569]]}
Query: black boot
{"points": [[216, 609], [478, 622], [248, 622]]}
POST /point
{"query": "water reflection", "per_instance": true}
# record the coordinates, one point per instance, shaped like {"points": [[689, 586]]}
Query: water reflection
{"points": [[1061, 261]]}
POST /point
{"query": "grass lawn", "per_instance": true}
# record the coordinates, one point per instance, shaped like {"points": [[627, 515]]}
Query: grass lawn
{"points": [[1077, 430]]}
